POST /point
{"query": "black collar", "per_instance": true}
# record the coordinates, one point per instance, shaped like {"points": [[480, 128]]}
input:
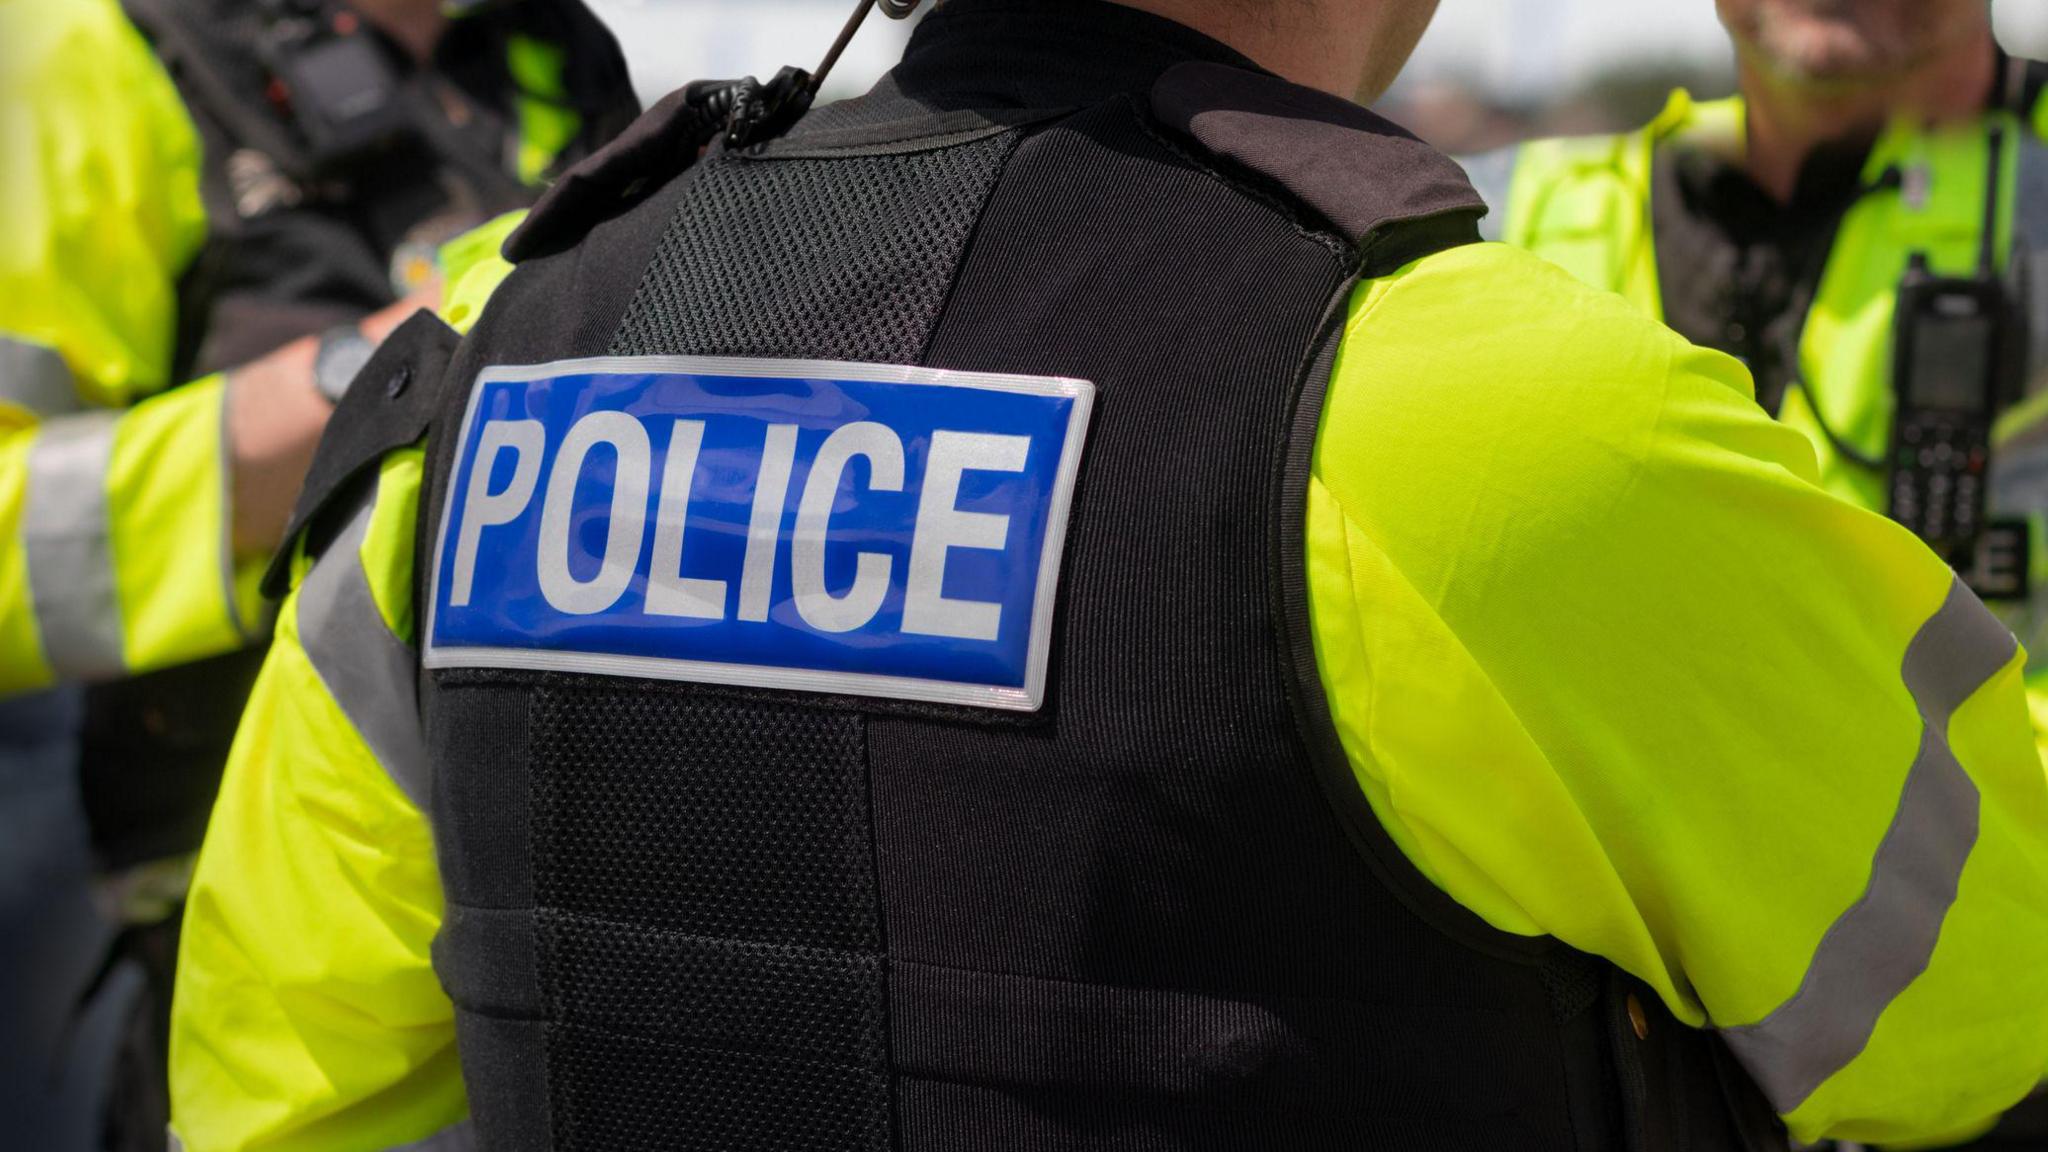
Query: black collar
{"points": [[1721, 191], [1046, 53], [1831, 178]]}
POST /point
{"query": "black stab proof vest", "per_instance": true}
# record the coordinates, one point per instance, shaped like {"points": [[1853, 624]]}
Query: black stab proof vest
{"points": [[1154, 914]]}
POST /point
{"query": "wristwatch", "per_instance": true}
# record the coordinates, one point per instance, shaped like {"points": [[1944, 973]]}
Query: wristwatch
{"points": [[343, 352]]}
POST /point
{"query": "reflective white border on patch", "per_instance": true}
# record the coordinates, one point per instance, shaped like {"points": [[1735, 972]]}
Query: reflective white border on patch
{"points": [[1026, 699]]}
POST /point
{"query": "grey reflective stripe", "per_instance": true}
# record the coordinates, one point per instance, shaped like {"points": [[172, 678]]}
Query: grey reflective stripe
{"points": [[1877, 948], [36, 378], [371, 673], [64, 530], [1492, 174]]}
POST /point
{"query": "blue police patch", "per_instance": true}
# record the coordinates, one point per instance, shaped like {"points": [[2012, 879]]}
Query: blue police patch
{"points": [[830, 527]]}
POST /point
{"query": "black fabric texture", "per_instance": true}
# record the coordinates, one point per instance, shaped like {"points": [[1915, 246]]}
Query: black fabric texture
{"points": [[709, 944], [1144, 920], [482, 839], [485, 958], [2024, 1129], [1365, 175], [508, 1089], [478, 723], [866, 282], [1682, 1090], [151, 752]]}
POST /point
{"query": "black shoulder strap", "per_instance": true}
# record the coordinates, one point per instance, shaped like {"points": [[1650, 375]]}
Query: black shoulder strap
{"points": [[1393, 196], [390, 405], [654, 149]]}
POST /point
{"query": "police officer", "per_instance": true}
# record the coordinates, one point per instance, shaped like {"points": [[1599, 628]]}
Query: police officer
{"points": [[132, 529], [1862, 226], [1067, 602], [342, 144], [1876, 150]]}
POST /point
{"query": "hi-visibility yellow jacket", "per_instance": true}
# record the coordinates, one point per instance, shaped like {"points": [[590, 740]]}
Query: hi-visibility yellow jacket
{"points": [[107, 505], [1585, 204], [1607, 660], [115, 553]]}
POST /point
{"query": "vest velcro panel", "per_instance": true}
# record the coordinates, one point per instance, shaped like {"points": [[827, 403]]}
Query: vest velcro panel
{"points": [[708, 932]]}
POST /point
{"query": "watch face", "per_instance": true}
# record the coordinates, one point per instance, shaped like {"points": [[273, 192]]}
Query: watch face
{"points": [[343, 352]]}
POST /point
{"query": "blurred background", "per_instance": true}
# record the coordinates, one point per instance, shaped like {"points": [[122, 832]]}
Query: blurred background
{"points": [[1489, 71]]}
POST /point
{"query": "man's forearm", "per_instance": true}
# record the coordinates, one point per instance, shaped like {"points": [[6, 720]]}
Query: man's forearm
{"points": [[275, 415]]}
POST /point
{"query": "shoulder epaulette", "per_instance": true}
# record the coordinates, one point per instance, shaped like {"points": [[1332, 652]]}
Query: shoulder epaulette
{"points": [[389, 406], [656, 148], [1393, 196]]}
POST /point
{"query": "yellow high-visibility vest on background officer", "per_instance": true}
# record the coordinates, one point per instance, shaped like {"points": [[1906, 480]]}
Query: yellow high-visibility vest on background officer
{"points": [[1806, 293], [1538, 552]]}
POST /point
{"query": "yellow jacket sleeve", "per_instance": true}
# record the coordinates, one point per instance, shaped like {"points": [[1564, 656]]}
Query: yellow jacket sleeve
{"points": [[1611, 667], [307, 1016], [107, 520], [100, 210]]}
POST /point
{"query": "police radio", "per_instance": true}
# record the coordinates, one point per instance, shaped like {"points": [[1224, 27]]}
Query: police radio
{"points": [[1957, 357], [344, 94], [759, 112]]}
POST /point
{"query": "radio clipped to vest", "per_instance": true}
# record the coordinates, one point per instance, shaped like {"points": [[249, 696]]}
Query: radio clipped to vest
{"points": [[1957, 354], [346, 98], [761, 112]]}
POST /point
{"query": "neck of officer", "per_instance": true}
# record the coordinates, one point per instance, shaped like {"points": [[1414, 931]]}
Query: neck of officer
{"points": [[1789, 118], [416, 25], [1300, 40]]}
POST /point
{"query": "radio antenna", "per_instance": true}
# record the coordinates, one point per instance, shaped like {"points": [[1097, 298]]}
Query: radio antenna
{"points": [[761, 111]]}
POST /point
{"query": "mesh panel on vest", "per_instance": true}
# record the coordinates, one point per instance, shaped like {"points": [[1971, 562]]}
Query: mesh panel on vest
{"points": [[709, 940], [853, 281], [708, 926]]}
